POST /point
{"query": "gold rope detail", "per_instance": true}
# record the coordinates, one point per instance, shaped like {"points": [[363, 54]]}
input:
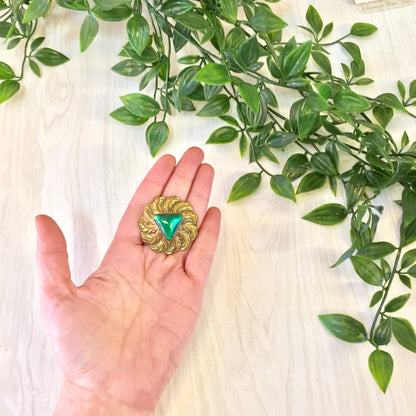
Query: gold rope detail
{"points": [[184, 235]]}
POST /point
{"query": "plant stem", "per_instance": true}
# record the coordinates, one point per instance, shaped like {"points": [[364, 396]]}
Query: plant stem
{"points": [[386, 290], [26, 56], [335, 41]]}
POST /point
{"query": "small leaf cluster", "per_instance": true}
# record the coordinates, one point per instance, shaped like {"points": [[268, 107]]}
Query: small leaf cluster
{"points": [[237, 65], [18, 24]]}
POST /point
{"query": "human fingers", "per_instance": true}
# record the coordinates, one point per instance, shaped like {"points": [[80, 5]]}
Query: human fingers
{"points": [[183, 176], [52, 257], [200, 190], [199, 259], [150, 188]]}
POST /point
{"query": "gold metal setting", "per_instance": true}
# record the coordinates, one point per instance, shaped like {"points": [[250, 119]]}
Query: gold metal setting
{"points": [[185, 233]]}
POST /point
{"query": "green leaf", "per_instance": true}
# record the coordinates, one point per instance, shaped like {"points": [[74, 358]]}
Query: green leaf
{"points": [[249, 51], [141, 105], [266, 21], [353, 50], [383, 114], [6, 71], [223, 135], [250, 95], [310, 182], [322, 61], [50, 57], [383, 332], [408, 206], [367, 270], [109, 4], [380, 364], [117, 14], [230, 9], [245, 186], [412, 271], [193, 21], [327, 214], [36, 43], [128, 68], [138, 33], [295, 166], [282, 187], [327, 30], [242, 145], [281, 139], [306, 119], [36, 9], [408, 233], [34, 67], [230, 120], [314, 19], [344, 256], [156, 135], [73, 5], [397, 303], [405, 280], [402, 89], [391, 100], [8, 88], [89, 30], [350, 102], [126, 117], [322, 163], [216, 106], [296, 60], [344, 327], [362, 29], [189, 59], [376, 298], [408, 258], [404, 333], [412, 89], [186, 83], [404, 140], [376, 250], [175, 8], [213, 74], [7, 30], [316, 102]]}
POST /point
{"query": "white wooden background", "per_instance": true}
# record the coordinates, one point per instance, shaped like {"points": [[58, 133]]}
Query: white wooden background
{"points": [[259, 348]]}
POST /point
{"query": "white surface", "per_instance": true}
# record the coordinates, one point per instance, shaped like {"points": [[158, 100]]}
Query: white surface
{"points": [[259, 348]]}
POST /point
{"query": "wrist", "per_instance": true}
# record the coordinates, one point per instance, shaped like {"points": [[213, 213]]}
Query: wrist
{"points": [[78, 401]]}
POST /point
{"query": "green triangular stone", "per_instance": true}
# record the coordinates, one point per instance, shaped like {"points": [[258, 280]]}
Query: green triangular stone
{"points": [[168, 224]]}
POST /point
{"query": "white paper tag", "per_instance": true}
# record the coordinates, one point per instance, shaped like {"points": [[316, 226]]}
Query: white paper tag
{"points": [[376, 5]]}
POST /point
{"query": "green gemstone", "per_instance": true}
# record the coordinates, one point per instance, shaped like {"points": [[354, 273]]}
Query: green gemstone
{"points": [[168, 224]]}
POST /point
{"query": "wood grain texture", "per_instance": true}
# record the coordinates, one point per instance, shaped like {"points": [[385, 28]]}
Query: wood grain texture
{"points": [[259, 348]]}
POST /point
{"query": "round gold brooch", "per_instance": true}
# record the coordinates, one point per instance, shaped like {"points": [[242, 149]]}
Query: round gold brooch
{"points": [[168, 225]]}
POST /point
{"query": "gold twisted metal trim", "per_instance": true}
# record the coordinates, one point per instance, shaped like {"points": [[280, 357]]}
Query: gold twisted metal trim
{"points": [[185, 233]]}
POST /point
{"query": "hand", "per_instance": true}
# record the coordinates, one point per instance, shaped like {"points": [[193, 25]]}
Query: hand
{"points": [[119, 337]]}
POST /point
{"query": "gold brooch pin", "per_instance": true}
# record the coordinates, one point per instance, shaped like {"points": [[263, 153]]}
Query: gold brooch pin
{"points": [[168, 225]]}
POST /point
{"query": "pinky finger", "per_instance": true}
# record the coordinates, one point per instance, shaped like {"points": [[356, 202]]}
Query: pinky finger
{"points": [[199, 259]]}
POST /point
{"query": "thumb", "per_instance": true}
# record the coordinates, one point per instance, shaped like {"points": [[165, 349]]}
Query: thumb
{"points": [[53, 267]]}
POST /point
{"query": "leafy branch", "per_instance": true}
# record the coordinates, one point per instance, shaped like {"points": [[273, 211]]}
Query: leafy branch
{"points": [[238, 66]]}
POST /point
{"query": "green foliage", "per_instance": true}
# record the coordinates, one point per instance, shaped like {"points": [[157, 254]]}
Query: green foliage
{"points": [[380, 364], [239, 58], [89, 30], [328, 214], [245, 186], [344, 327]]}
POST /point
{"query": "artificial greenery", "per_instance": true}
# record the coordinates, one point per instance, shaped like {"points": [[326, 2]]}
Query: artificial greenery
{"points": [[240, 64]]}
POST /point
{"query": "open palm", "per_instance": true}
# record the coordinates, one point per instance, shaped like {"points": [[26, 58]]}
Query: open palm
{"points": [[122, 332]]}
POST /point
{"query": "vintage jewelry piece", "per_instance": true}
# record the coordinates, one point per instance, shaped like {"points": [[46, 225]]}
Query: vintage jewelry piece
{"points": [[168, 225]]}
